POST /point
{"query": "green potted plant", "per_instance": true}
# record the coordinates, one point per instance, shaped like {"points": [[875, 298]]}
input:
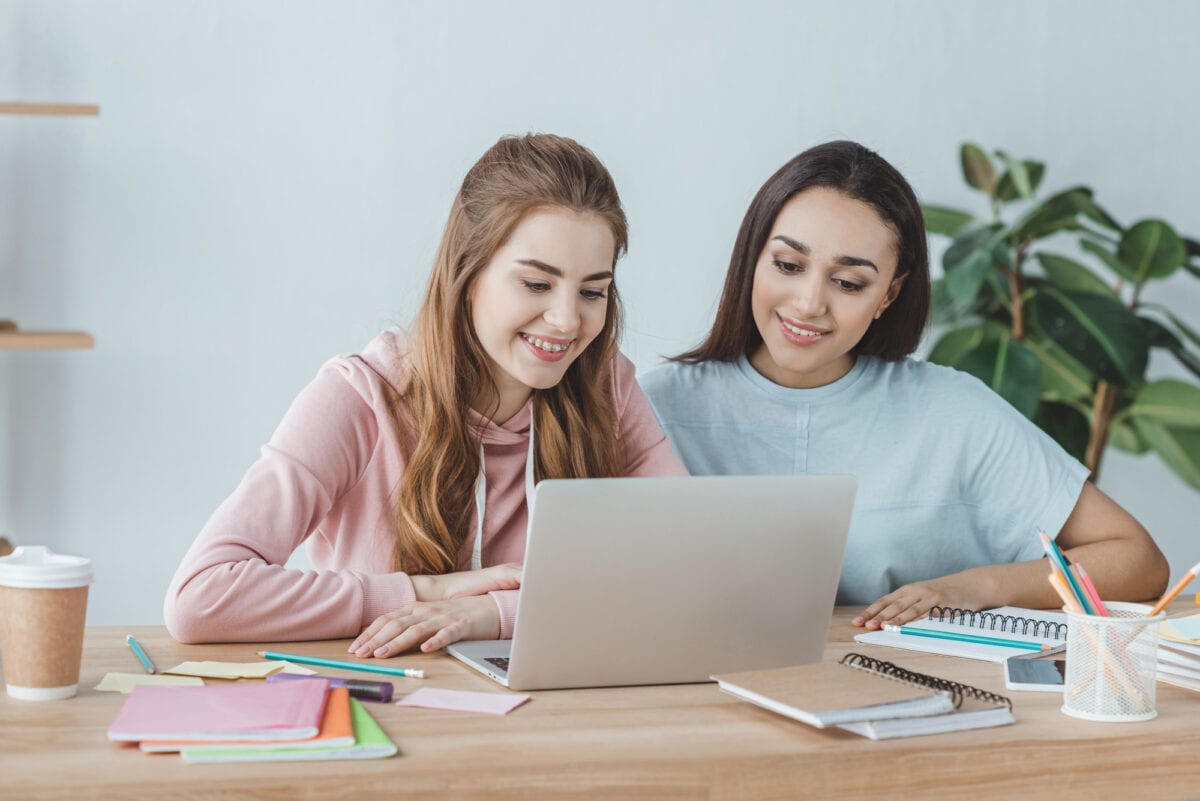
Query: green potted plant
{"points": [[1042, 300]]}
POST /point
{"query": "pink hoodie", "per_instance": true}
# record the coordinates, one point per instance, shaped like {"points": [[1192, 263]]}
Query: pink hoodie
{"points": [[327, 478]]}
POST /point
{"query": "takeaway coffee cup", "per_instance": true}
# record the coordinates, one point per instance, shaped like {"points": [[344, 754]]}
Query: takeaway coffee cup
{"points": [[43, 603]]}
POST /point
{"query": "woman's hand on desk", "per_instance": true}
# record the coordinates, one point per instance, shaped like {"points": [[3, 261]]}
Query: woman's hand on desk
{"points": [[913, 601], [466, 583], [430, 625]]}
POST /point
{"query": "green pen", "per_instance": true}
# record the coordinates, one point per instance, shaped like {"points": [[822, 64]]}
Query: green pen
{"points": [[409, 673]]}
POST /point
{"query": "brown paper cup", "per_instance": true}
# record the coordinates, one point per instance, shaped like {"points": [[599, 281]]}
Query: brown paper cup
{"points": [[41, 628]]}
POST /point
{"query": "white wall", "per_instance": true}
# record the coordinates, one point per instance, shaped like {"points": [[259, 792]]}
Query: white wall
{"points": [[267, 182]]}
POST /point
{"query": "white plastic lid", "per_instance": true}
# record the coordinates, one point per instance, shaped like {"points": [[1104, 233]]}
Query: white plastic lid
{"points": [[36, 567]]}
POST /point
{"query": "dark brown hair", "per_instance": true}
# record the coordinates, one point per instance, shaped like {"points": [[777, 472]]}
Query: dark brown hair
{"points": [[575, 420], [858, 173]]}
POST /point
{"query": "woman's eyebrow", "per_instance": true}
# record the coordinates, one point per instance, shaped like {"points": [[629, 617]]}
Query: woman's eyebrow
{"points": [[844, 261], [556, 272]]}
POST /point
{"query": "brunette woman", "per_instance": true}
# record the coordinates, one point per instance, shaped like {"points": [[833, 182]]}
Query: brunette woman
{"points": [[807, 369]]}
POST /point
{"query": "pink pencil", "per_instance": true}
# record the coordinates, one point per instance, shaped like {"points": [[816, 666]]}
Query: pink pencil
{"points": [[1090, 588]]}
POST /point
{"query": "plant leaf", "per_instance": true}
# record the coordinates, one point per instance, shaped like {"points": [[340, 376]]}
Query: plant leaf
{"points": [[1123, 436], [1009, 368], [968, 261], [964, 283], [1062, 377], [1056, 213], [1070, 274], [1019, 181], [945, 221], [1108, 257], [1179, 448], [977, 168], [1171, 402], [1006, 189], [1193, 251], [1066, 426], [1152, 249], [1189, 360], [953, 345], [1183, 327], [1088, 207], [1100, 332], [1158, 335]]}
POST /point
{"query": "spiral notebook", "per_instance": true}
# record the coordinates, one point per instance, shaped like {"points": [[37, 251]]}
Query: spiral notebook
{"points": [[1005, 622], [870, 697], [827, 694]]}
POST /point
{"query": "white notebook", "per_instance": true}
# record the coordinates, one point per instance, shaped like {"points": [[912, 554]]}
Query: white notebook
{"points": [[1005, 622]]}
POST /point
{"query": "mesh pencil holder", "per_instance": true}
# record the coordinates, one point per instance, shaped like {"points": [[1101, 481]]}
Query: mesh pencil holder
{"points": [[1111, 664]]}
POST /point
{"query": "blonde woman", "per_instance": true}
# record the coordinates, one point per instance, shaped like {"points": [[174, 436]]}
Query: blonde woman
{"points": [[406, 468]]}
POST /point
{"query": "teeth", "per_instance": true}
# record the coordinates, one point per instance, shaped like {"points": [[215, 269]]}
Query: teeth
{"points": [[549, 347], [801, 331]]}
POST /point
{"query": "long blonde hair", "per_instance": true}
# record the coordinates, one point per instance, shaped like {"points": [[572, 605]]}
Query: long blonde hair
{"points": [[575, 420]]}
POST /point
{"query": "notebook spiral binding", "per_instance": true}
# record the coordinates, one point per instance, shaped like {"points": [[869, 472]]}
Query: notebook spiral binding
{"points": [[994, 622], [893, 671]]}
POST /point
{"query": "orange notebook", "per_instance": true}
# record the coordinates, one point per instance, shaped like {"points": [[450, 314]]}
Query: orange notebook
{"points": [[336, 730]]}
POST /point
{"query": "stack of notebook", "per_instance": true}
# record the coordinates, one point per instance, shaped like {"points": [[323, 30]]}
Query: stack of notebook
{"points": [[292, 721], [1179, 652], [869, 697]]}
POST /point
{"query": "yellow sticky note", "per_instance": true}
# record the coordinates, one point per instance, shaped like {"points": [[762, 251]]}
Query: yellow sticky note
{"points": [[1181, 629], [235, 670], [125, 682]]}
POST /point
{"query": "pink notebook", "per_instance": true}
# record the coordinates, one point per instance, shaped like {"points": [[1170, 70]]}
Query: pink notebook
{"points": [[285, 711]]}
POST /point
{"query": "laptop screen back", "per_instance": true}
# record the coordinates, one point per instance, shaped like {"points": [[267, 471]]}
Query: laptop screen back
{"points": [[669, 580]]}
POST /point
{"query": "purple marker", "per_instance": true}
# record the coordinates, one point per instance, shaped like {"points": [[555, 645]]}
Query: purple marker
{"points": [[363, 690]]}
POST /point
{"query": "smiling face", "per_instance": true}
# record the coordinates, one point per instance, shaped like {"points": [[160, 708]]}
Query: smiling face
{"points": [[539, 302], [826, 272]]}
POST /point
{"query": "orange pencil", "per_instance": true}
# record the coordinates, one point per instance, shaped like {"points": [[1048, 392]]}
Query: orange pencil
{"points": [[1060, 586], [1178, 588]]}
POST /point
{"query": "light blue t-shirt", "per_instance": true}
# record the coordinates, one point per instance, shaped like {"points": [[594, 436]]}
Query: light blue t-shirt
{"points": [[950, 476]]}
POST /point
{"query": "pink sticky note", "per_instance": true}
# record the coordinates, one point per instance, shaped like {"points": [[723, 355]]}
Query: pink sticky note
{"points": [[462, 701]]}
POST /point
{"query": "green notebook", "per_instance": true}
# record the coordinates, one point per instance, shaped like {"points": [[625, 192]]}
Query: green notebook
{"points": [[370, 742]]}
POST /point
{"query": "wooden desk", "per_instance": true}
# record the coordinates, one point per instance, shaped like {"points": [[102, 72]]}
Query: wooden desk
{"points": [[673, 742]]}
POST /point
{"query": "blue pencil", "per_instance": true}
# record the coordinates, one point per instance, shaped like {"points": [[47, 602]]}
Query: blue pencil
{"points": [[412, 673], [140, 654], [963, 637], [1056, 556]]}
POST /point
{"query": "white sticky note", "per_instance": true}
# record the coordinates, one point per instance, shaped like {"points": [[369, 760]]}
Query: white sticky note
{"points": [[464, 701]]}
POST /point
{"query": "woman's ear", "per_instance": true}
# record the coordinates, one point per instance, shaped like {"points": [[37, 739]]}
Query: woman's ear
{"points": [[892, 293]]}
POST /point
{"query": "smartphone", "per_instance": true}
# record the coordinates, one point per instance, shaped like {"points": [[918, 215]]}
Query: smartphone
{"points": [[1038, 675]]}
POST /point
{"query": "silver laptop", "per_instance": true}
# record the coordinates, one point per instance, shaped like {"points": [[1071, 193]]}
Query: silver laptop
{"points": [[669, 580]]}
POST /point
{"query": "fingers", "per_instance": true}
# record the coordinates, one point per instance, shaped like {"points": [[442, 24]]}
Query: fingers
{"points": [[452, 633], [905, 605], [431, 626], [870, 614], [916, 610], [409, 638], [369, 632]]}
